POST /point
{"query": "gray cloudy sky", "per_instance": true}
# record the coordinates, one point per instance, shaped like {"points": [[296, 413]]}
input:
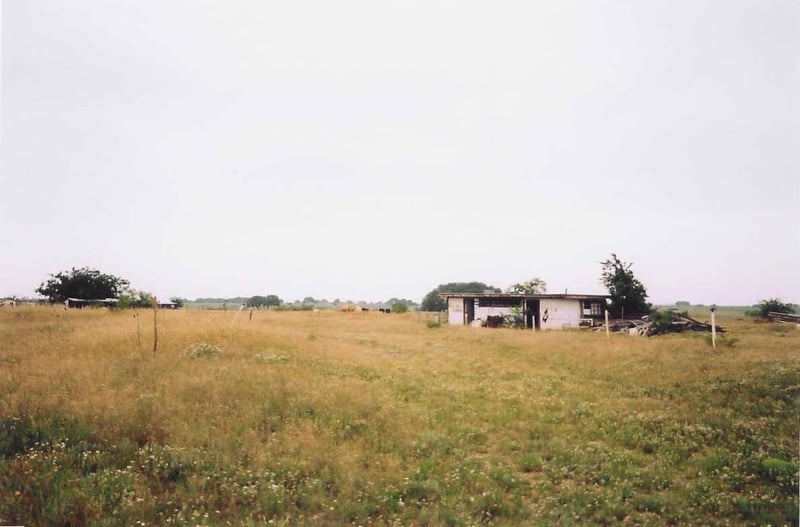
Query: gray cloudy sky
{"points": [[366, 149]]}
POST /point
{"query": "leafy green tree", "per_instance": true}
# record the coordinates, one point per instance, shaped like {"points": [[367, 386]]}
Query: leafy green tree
{"points": [[769, 305], [628, 294], [534, 286], [85, 283], [256, 301], [432, 302], [264, 301]]}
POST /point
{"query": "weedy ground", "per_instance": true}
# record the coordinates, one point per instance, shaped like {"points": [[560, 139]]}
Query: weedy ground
{"points": [[334, 418]]}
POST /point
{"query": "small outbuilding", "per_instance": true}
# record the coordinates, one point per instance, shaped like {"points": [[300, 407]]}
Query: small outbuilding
{"points": [[80, 303], [539, 311]]}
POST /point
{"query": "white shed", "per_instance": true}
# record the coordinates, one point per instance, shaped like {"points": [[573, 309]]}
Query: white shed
{"points": [[540, 311]]}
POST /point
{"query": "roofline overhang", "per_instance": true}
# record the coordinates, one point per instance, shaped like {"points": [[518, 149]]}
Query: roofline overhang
{"points": [[543, 296]]}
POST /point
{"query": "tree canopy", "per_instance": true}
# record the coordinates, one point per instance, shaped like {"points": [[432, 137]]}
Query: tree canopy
{"points": [[534, 286], [432, 302], [84, 283], [628, 294], [263, 301]]}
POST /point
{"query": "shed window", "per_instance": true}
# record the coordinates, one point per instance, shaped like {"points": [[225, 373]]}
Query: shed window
{"points": [[592, 307], [498, 302]]}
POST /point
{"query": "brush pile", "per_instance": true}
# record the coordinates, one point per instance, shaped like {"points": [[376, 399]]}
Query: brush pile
{"points": [[660, 323]]}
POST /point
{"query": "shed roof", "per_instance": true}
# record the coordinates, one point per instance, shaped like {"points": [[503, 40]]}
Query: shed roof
{"points": [[541, 296]]}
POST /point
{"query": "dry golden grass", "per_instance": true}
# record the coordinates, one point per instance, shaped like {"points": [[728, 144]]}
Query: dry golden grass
{"points": [[375, 418]]}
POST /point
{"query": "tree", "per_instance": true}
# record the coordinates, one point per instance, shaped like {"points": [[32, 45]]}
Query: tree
{"points": [[131, 298], [84, 283], [534, 286], [432, 302], [628, 294], [178, 301], [256, 301], [273, 300], [770, 305]]}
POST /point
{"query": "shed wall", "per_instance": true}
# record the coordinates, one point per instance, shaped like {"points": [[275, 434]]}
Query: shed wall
{"points": [[484, 312], [557, 313], [455, 311]]}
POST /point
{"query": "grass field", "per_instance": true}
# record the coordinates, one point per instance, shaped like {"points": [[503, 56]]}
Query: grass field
{"points": [[332, 418]]}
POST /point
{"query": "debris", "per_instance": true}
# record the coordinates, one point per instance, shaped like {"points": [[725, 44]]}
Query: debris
{"points": [[786, 318], [667, 322]]}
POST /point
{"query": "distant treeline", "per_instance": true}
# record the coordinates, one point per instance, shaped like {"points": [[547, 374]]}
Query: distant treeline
{"points": [[306, 302], [234, 300]]}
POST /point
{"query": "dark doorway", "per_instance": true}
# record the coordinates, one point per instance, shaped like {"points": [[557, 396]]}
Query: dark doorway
{"points": [[469, 310], [532, 314]]}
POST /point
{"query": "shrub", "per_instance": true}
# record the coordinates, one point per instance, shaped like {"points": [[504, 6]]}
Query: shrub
{"points": [[399, 307], [662, 320], [202, 350], [767, 306], [515, 319]]}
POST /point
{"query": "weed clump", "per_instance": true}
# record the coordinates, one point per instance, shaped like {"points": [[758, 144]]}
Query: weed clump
{"points": [[202, 350]]}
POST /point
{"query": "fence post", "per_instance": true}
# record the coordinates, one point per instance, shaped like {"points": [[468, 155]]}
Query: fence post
{"points": [[713, 326]]}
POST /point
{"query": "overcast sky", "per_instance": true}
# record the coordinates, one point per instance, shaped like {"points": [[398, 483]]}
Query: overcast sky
{"points": [[373, 149]]}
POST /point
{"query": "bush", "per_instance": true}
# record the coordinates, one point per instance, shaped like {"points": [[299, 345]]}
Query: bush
{"points": [[202, 350], [662, 320], [399, 307], [135, 299], [767, 306], [515, 319]]}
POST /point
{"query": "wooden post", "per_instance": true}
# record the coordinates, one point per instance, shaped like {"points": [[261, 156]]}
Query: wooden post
{"points": [[155, 325], [138, 333], [608, 330], [714, 327]]}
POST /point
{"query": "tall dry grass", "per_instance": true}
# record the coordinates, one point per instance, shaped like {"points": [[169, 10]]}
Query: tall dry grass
{"points": [[332, 418]]}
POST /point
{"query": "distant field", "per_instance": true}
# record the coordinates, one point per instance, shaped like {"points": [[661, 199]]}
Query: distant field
{"points": [[328, 418], [703, 313]]}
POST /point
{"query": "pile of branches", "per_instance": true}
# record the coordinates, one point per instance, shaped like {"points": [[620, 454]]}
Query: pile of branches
{"points": [[784, 318], [660, 323]]}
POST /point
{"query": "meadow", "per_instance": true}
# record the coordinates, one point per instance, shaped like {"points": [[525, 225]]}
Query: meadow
{"points": [[328, 418]]}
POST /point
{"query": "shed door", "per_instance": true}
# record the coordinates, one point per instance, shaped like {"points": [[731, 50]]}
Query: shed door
{"points": [[469, 310]]}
